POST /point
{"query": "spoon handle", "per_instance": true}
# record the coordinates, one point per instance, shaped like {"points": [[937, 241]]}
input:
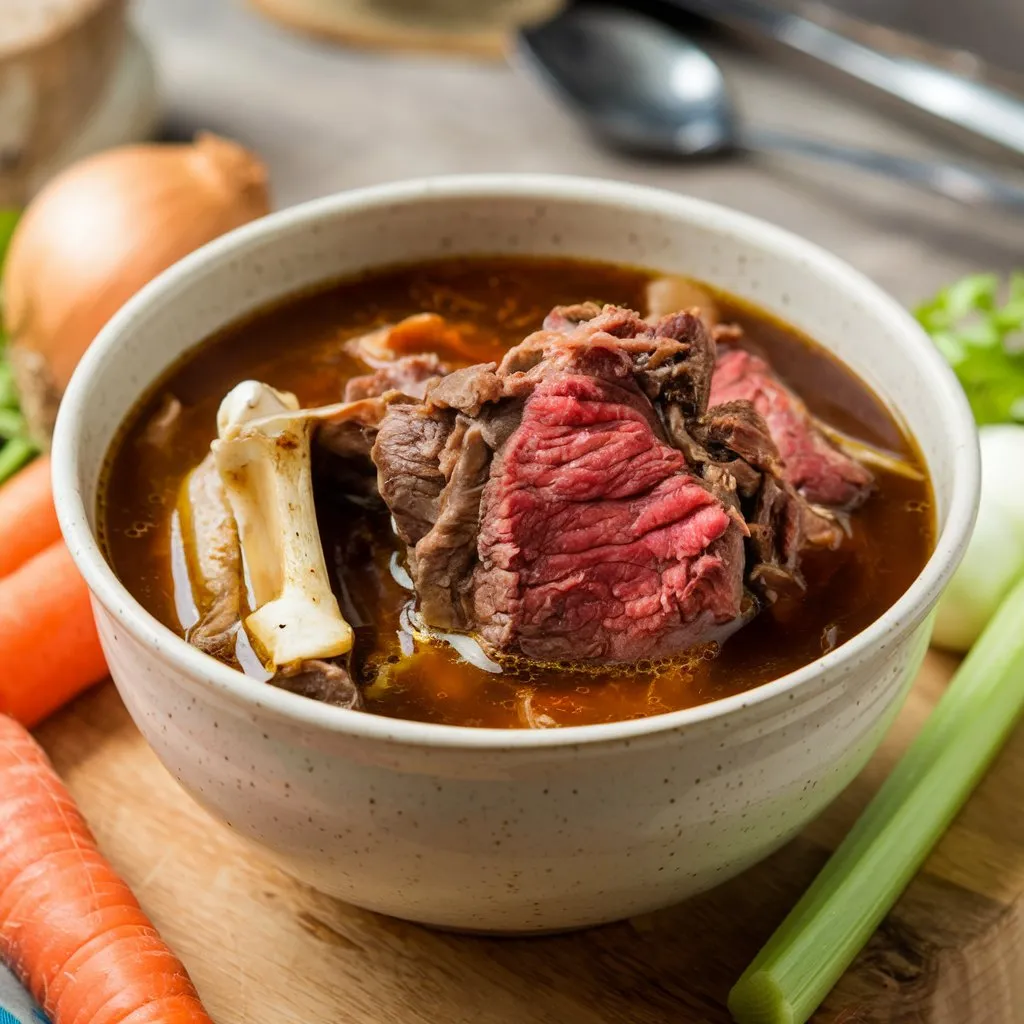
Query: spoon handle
{"points": [[954, 181], [973, 106]]}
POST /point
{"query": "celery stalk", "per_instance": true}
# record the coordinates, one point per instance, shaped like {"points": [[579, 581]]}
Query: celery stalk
{"points": [[811, 949]]}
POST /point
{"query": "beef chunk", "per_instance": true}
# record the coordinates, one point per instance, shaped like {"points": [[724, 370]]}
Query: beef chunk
{"points": [[467, 390], [776, 539], [667, 376], [443, 557], [672, 359], [348, 430], [596, 541], [820, 472], [324, 681], [738, 428], [210, 540], [410, 375], [580, 502], [783, 523], [545, 510], [407, 453], [737, 439]]}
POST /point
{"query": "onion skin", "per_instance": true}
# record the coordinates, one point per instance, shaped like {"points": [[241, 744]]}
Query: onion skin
{"points": [[100, 231]]}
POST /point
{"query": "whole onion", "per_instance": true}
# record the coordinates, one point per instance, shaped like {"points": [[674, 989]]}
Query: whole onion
{"points": [[97, 233]]}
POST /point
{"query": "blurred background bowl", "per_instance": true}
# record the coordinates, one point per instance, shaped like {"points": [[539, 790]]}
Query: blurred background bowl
{"points": [[74, 79]]}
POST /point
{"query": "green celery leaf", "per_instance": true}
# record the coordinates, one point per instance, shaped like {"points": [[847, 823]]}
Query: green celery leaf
{"points": [[982, 338]]}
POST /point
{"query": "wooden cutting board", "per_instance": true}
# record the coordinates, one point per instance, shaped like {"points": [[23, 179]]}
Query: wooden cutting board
{"points": [[264, 949]]}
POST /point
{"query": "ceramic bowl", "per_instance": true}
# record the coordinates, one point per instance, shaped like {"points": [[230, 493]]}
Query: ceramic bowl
{"points": [[513, 831]]}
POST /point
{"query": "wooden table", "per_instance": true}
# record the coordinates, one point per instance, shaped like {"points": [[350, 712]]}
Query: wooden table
{"points": [[263, 948]]}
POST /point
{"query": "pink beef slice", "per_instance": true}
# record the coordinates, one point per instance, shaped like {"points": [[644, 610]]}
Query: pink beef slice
{"points": [[819, 471], [596, 541]]}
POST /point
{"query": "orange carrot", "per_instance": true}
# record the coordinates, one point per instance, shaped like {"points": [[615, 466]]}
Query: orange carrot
{"points": [[69, 927], [49, 648], [28, 521]]}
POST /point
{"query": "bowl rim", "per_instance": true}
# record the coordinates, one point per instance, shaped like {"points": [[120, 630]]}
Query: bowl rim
{"points": [[239, 690]]}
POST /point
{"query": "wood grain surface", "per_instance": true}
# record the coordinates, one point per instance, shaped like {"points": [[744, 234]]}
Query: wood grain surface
{"points": [[266, 950]]}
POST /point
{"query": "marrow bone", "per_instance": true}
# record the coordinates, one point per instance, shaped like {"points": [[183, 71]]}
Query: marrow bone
{"points": [[263, 456]]}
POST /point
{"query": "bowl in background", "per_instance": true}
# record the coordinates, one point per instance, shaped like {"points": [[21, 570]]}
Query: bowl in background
{"points": [[513, 831]]}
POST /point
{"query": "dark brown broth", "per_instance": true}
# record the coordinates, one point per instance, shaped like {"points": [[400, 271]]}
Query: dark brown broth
{"points": [[298, 347]]}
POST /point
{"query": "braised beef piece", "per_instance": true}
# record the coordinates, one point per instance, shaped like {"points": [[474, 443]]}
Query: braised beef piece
{"points": [[673, 358], [469, 390], [444, 557], [581, 501], [210, 541], [597, 541], [546, 510], [407, 453], [410, 375], [738, 443], [735, 430], [324, 681], [819, 471]]}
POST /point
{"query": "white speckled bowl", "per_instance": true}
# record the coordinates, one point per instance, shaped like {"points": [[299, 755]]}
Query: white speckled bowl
{"points": [[486, 829]]}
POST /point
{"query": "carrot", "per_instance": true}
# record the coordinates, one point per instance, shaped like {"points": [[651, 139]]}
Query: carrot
{"points": [[69, 927], [28, 520], [49, 648]]}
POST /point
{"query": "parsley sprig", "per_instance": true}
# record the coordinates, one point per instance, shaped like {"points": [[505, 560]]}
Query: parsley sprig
{"points": [[978, 325]]}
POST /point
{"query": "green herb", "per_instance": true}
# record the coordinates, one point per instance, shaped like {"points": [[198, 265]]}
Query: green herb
{"points": [[982, 336], [14, 454], [12, 424], [864, 877], [17, 447], [8, 392], [8, 222]]}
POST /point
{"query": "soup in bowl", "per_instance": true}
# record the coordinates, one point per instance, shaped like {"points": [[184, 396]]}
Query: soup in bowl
{"points": [[444, 535]]}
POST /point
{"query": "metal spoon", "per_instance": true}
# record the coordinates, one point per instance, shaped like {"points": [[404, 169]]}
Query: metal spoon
{"points": [[643, 87]]}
